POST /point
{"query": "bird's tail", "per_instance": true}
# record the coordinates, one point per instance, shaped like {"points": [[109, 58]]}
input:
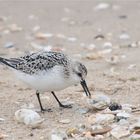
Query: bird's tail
{"points": [[6, 62]]}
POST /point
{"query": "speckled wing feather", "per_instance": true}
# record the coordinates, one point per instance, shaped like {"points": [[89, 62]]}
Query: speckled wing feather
{"points": [[36, 62]]}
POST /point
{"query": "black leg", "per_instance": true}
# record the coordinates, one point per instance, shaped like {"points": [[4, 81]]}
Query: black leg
{"points": [[60, 104], [41, 107]]}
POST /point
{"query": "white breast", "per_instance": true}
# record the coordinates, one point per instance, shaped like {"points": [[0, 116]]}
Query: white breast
{"points": [[52, 80]]}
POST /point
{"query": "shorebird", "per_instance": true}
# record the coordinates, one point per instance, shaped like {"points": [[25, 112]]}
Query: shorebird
{"points": [[48, 72]]}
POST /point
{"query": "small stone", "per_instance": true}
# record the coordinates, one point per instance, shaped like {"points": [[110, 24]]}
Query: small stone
{"points": [[102, 6], [101, 119], [120, 132], [115, 106], [58, 135], [65, 121]]}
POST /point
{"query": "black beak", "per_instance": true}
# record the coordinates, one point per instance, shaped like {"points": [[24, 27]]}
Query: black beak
{"points": [[84, 85]]}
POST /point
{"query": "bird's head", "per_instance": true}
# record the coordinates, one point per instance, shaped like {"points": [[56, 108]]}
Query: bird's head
{"points": [[80, 72]]}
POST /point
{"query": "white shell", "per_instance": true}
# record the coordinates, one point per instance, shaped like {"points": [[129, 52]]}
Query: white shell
{"points": [[99, 101], [28, 117]]}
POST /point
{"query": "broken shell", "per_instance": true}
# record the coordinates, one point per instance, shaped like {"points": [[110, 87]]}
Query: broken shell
{"points": [[102, 6], [124, 36], [28, 117], [72, 131], [101, 119], [107, 45], [65, 121], [123, 115], [120, 131], [99, 101]]}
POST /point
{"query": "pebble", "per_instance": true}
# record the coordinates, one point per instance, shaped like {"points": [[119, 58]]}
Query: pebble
{"points": [[58, 135], [120, 132], [101, 118], [9, 45], [99, 101], [29, 118], [115, 106]]}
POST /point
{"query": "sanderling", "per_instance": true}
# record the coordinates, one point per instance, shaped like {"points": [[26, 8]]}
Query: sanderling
{"points": [[48, 71]]}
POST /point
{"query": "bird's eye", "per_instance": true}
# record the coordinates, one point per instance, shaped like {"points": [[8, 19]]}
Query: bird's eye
{"points": [[79, 74]]}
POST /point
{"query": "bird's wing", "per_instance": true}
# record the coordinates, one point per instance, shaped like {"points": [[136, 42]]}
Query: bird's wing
{"points": [[35, 62]]}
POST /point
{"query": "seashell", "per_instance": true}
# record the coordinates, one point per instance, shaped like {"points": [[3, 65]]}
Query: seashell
{"points": [[99, 101], [28, 117]]}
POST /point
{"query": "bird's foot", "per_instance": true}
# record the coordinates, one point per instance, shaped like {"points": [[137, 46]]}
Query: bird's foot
{"points": [[44, 110], [65, 106]]}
